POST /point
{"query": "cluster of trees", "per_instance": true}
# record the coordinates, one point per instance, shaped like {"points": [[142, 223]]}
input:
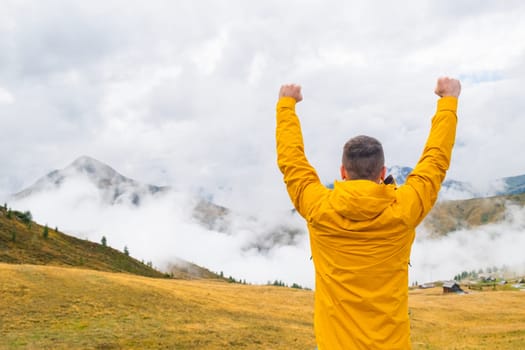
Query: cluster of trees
{"points": [[276, 283], [467, 275], [104, 242], [231, 279], [26, 217], [279, 283], [474, 275]]}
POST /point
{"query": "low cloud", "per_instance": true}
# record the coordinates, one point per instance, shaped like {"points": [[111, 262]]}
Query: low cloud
{"points": [[164, 227], [254, 246], [500, 244]]}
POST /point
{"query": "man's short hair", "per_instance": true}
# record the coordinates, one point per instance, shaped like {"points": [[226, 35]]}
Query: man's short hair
{"points": [[363, 158]]}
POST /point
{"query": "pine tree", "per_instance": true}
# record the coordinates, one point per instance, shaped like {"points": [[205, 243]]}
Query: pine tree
{"points": [[45, 234], [126, 251], [27, 217], [104, 241]]}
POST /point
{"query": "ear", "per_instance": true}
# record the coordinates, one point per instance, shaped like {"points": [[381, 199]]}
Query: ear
{"points": [[344, 175], [383, 173]]}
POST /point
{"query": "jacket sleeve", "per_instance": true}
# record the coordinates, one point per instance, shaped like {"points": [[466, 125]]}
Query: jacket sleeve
{"points": [[302, 182], [424, 182]]}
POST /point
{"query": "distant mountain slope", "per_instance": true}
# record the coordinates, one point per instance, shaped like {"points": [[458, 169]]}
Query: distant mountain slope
{"points": [[514, 185], [112, 186], [453, 189], [182, 269], [450, 216], [22, 241], [101, 182]]}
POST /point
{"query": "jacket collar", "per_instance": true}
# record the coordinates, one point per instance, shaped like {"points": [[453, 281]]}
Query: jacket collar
{"points": [[361, 200]]}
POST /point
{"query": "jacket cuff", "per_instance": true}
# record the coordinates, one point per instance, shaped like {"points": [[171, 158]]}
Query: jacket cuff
{"points": [[286, 102], [448, 103]]}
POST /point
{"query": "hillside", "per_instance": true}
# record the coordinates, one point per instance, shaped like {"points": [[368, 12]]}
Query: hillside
{"points": [[186, 270], [453, 215], [22, 241], [57, 308]]}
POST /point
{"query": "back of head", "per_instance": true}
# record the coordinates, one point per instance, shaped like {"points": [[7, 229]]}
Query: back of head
{"points": [[363, 158]]}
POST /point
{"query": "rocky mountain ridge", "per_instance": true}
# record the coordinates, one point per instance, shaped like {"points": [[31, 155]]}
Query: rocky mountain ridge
{"points": [[113, 187]]}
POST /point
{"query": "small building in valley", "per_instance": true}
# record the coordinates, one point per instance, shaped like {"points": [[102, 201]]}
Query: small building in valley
{"points": [[426, 285], [451, 287]]}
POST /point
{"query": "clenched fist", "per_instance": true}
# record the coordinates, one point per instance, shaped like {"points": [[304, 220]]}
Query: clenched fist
{"points": [[291, 90], [448, 87]]}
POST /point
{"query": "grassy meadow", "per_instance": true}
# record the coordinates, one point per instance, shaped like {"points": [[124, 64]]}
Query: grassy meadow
{"points": [[475, 321], [44, 307], [69, 308]]}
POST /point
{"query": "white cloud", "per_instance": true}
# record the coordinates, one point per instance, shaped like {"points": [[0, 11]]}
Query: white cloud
{"points": [[163, 229], [253, 246], [106, 69], [6, 97], [494, 245]]}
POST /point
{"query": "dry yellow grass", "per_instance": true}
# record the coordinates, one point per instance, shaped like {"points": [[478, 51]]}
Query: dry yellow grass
{"points": [[66, 308], [475, 321], [43, 307]]}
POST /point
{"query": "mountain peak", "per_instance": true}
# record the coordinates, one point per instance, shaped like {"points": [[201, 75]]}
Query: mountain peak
{"points": [[399, 173], [112, 186], [94, 168], [86, 160]]}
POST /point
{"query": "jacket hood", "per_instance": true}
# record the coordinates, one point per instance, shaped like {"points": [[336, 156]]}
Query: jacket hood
{"points": [[361, 200]]}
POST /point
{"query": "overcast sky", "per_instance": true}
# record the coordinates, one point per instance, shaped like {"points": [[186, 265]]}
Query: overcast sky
{"points": [[183, 93]]}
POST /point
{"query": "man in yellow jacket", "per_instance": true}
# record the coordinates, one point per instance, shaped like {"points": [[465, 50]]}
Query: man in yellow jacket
{"points": [[361, 232]]}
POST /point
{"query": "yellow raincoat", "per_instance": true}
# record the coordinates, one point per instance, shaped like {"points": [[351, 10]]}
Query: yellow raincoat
{"points": [[361, 234]]}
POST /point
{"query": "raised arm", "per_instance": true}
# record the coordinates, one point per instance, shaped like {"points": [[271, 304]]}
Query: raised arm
{"points": [[302, 181], [423, 184]]}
